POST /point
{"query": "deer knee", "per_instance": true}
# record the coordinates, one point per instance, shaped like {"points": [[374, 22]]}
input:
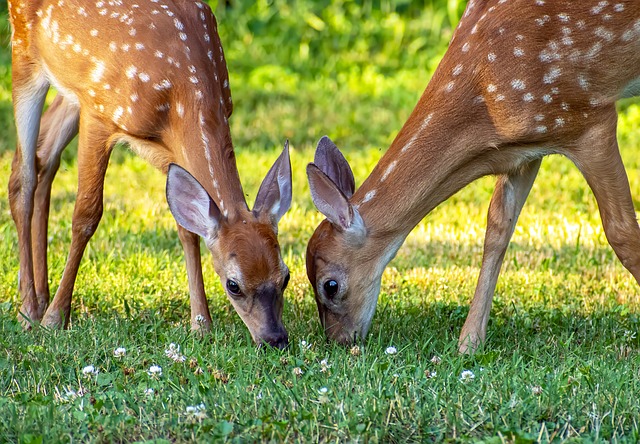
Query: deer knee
{"points": [[85, 223]]}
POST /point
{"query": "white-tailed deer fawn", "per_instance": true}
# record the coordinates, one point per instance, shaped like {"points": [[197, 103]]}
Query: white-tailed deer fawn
{"points": [[521, 79], [151, 74]]}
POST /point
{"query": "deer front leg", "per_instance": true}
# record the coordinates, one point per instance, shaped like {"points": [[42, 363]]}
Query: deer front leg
{"points": [[29, 92], [602, 167], [506, 203], [58, 127], [200, 316], [94, 150]]}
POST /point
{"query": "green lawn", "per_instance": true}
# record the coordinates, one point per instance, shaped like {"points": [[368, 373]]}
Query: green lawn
{"points": [[562, 358]]}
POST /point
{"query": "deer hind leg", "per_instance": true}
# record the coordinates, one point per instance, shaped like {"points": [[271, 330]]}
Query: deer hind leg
{"points": [[602, 167], [94, 149], [58, 127], [29, 92], [200, 316], [506, 203]]}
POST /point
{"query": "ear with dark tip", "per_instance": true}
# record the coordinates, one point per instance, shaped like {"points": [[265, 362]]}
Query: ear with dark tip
{"points": [[190, 204], [274, 195], [329, 199], [332, 163]]}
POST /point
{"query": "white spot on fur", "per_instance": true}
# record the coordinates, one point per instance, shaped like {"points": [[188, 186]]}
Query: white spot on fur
{"points": [[528, 97], [583, 82], [144, 77], [491, 88], [518, 84], [370, 195], [518, 52], [604, 33], [131, 71], [547, 98], [598, 9], [98, 71], [117, 114], [449, 86], [164, 84], [93, 32], [491, 57], [542, 20], [388, 171], [552, 75], [415, 136], [457, 70]]}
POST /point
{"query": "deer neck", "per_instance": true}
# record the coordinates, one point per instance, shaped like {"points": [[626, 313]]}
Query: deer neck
{"points": [[439, 150], [207, 152]]}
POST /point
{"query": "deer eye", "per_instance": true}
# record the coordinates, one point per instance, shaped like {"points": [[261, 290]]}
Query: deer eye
{"points": [[331, 288], [286, 281], [233, 287]]}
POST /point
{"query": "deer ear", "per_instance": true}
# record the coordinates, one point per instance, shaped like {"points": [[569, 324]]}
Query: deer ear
{"points": [[190, 204], [274, 195], [332, 202], [332, 163]]}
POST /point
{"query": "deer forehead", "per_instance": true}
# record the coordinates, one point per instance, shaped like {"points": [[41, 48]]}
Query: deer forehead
{"points": [[251, 248]]}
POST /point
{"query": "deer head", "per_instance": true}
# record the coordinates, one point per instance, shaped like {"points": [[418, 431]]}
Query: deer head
{"points": [[244, 246], [343, 263]]}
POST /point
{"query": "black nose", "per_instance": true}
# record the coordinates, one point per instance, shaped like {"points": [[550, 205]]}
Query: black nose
{"points": [[278, 340]]}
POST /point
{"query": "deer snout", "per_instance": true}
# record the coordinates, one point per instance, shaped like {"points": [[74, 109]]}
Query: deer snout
{"points": [[278, 340]]}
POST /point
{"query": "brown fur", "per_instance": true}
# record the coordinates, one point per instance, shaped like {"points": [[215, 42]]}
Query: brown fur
{"points": [[520, 80]]}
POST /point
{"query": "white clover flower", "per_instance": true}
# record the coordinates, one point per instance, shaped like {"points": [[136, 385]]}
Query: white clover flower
{"points": [[298, 371], [119, 352], [323, 390], [68, 395], [173, 353], [324, 366], [436, 360], [149, 392], [536, 390], [196, 412], [199, 319], [391, 350], [155, 370], [467, 376], [429, 374], [89, 370], [305, 345]]}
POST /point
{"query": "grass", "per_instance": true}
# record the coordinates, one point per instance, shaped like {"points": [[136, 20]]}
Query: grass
{"points": [[562, 359]]}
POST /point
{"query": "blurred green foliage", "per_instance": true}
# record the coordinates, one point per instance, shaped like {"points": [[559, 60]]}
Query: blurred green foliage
{"points": [[303, 69], [315, 38]]}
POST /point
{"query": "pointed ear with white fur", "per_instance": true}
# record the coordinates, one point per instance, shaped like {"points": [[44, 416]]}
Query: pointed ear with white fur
{"points": [[274, 195], [332, 163], [332, 202], [190, 204]]}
